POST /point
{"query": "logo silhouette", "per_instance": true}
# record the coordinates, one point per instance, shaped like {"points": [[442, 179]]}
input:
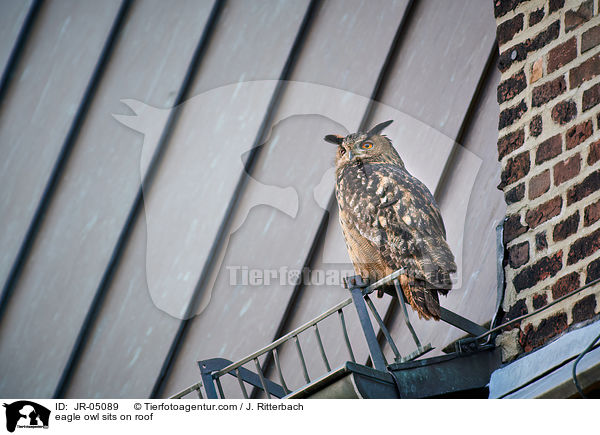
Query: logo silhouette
{"points": [[26, 414], [206, 161]]}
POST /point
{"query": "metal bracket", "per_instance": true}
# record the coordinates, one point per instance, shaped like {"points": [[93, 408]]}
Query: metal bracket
{"points": [[421, 350], [351, 282], [446, 315], [207, 380], [209, 366], [461, 322], [470, 345], [356, 285]]}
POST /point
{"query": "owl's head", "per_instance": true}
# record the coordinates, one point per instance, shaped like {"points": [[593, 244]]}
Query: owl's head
{"points": [[369, 147]]}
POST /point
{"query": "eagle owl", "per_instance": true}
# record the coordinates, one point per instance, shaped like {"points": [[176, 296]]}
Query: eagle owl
{"points": [[390, 220]]}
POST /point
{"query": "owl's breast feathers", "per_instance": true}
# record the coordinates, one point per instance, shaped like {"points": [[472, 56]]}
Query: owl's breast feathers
{"points": [[390, 221]]}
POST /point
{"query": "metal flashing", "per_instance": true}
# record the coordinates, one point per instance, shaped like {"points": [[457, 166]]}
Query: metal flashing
{"points": [[559, 384], [541, 362]]}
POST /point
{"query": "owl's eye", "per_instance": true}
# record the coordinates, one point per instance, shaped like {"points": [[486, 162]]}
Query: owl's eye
{"points": [[366, 145], [342, 151]]}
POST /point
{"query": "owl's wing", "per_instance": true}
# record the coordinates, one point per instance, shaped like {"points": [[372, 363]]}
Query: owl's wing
{"points": [[397, 214]]}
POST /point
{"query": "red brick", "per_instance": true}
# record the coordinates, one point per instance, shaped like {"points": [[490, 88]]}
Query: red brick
{"points": [[512, 141], [590, 39], [554, 5], [589, 185], [513, 228], [539, 300], [584, 247], [541, 242], [548, 91], [502, 7], [509, 28], [592, 271], [576, 17], [543, 38], [548, 149], [567, 169], [537, 70], [566, 228], [591, 214], [578, 134], [512, 114], [584, 309], [565, 285], [511, 87], [532, 338], [544, 268], [518, 255], [591, 97], [519, 52], [562, 55], [516, 168], [544, 212], [535, 126], [594, 154], [536, 16], [564, 112], [515, 194], [512, 55], [539, 184], [584, 72], [517, 310]]}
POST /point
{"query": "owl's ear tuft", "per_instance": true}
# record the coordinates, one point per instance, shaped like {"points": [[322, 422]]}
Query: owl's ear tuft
{"points": [[379, 127], [335, 139]]}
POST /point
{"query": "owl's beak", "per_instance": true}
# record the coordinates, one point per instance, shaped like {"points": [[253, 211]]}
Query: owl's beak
{"points": [[350, 155]]}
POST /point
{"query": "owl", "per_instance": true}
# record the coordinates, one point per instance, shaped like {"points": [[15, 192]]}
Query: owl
{"points": [[390, 220]]}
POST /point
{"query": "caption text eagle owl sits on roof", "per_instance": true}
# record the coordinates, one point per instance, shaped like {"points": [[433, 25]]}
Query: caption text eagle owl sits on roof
{"points": [[390, 220]]}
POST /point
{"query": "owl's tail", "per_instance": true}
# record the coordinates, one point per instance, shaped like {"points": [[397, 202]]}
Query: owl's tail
{"points": [[422, 297]]}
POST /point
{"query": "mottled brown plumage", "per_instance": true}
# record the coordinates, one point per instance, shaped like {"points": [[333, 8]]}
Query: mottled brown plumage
{"points": [[390, 220]]}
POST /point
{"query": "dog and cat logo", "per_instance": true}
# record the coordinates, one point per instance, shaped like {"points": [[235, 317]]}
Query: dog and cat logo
{"points": [[25, 414]]}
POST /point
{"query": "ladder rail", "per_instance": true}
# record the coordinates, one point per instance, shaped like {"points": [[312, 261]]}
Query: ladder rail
{"points": [[212, 370]]}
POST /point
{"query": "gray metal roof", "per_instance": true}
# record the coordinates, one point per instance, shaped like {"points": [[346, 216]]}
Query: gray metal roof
{"points": [[88, 282]]}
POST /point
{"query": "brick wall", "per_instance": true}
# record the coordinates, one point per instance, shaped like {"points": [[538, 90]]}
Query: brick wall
{"points": [[549, 149]]}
